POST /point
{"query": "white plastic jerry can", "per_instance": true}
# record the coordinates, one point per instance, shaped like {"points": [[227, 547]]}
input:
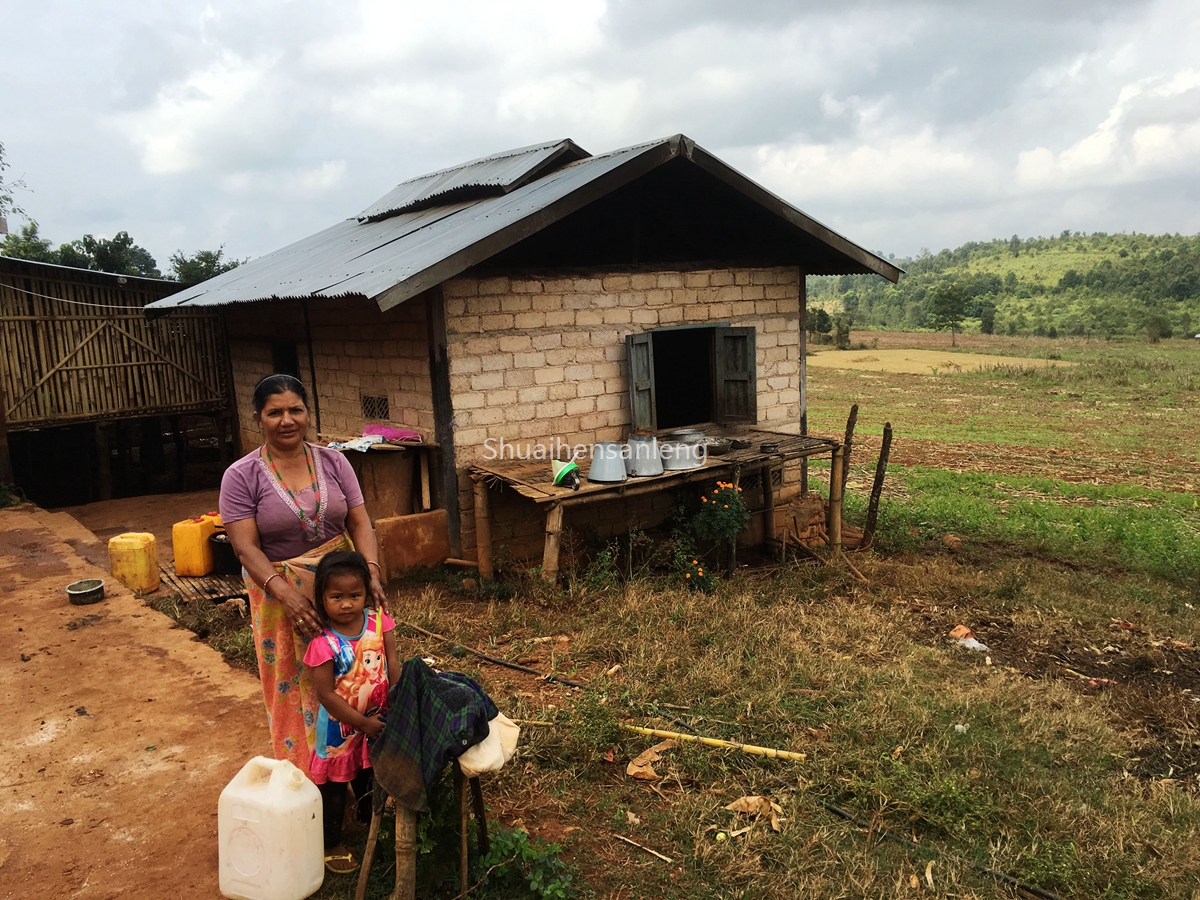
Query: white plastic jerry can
{"points": [[269, 826]]}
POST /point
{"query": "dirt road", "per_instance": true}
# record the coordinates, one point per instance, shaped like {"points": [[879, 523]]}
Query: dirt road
{"points": [[121, 732]]}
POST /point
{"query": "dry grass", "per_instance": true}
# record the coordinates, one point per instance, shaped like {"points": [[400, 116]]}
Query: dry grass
{"points": [[1045, 782]]}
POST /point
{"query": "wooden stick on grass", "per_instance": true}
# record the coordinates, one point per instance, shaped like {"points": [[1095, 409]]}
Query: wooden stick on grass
{"points": [[715, 742], [641, 847]]}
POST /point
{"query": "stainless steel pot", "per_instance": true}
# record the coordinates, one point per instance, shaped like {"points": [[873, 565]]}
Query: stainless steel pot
{"points": [[608, 462], [677, 455], [643, 459]]}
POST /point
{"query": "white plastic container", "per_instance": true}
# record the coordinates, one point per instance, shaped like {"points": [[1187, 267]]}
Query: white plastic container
{"points": [[269, 827]]}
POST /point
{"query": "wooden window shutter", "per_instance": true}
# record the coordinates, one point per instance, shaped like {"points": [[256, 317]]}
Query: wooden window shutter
{"points": [[735, 381], [639, 363]]}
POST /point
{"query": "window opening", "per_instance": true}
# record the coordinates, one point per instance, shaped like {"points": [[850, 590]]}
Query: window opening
{"points": [[690, 375], [375, 407], [683, 376]]}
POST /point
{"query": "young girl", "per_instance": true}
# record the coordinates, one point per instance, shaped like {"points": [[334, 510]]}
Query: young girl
{"points": [[353, 662]]}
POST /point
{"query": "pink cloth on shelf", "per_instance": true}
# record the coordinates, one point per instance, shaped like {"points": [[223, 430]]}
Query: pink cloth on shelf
{"points": [[248, 491], [390, 433]]}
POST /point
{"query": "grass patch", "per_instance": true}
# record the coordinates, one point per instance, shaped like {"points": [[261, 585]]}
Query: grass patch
{"points": [[223, 626], [1101, 526]]}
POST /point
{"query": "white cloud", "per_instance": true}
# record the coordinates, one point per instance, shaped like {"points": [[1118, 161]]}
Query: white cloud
{"points": [[229, 106]]}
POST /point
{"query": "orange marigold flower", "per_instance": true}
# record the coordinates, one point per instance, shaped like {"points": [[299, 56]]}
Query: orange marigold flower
{"points": [[688, 575], [727, 506], [701, 572], [693, 562]]}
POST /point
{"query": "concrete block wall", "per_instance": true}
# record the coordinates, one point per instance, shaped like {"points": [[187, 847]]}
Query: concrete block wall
{"points": [[540, 357], [357, 350]]}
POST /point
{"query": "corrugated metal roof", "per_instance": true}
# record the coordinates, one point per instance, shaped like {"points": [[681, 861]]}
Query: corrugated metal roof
{"points": [[489, 176], [392, 259]]}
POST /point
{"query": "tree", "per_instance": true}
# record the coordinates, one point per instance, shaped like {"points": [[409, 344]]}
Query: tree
{"points": [[987, 317], [201, 266], [947, 306], [120, 256], [1014, 245], [8, 206], [819, 321], [28, 244]]}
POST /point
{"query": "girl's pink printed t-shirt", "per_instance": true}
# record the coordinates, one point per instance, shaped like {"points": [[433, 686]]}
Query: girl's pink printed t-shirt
{"points": [[250, 491]]}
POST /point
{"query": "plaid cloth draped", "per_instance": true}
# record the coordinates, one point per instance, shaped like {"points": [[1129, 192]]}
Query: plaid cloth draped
{"points": [[432, 719], [286, 682]]}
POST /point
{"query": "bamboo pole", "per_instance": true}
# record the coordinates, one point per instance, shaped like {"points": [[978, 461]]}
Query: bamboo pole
{"points": [[835, 503], [715, 742]]}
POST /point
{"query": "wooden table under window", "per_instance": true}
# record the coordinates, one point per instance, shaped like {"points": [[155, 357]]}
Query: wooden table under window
{"points": [[533, 479]]}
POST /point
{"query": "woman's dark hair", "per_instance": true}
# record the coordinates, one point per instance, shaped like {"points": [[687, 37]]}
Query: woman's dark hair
{"points": [[340, 562], [277, 384]]}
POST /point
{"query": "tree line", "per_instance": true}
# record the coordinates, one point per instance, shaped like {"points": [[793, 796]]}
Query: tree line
{"points": [[118, 255], [1102, 285]]}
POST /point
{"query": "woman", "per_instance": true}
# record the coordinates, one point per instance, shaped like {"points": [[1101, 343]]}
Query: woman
{"points": [[285, 505]]}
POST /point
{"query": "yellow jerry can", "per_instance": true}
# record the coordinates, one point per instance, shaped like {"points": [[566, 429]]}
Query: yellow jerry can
{"points": [[133, 560], [189, 539]]}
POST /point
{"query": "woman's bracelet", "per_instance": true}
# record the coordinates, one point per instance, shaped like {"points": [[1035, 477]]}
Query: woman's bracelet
{"points": [[268, 581], [371, 562]]}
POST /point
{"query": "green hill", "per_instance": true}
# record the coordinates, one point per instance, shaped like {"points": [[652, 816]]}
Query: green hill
{"points": [[1101, 285]]}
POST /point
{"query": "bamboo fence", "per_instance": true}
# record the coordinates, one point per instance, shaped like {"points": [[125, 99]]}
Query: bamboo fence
{"points": [[75, 346]]}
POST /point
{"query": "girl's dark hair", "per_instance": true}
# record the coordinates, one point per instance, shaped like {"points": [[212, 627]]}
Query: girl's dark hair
{"points": [[340, 562], [278, 383]]}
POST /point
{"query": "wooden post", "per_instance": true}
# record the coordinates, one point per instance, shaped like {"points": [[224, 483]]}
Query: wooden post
{"points": [[480, 816], [406, 854], [877, 486], [847, 443], [312, 370], [768, 495], [460, 790], [554, 525], [483, 529], [426, 498], [443, 413], [834, 521], [803, 377], [732, 567]]}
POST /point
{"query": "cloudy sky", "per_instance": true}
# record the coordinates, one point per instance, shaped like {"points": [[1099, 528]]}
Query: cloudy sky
{"points": [[901, 124]]}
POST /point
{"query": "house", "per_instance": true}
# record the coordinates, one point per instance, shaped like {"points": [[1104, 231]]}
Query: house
{"points": [[94, 399], [541, 297]]}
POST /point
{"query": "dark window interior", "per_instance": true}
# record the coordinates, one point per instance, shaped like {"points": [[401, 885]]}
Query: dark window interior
{"points": [[683, 376], [284, 358]]}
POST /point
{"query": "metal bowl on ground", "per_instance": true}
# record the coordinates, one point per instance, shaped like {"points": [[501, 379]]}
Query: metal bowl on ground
{"points": [[90, 590], [677, 456], [608, 463]]}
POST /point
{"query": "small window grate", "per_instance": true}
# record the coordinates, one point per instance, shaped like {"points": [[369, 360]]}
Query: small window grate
{"points": [[374, 407]]}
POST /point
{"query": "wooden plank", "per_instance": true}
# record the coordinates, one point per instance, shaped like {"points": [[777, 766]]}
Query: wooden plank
{"points": [[834, 524], [483, 528]]}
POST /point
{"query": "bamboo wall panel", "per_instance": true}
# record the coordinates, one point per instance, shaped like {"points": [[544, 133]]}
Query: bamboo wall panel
{"points": [[76, 350]]}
